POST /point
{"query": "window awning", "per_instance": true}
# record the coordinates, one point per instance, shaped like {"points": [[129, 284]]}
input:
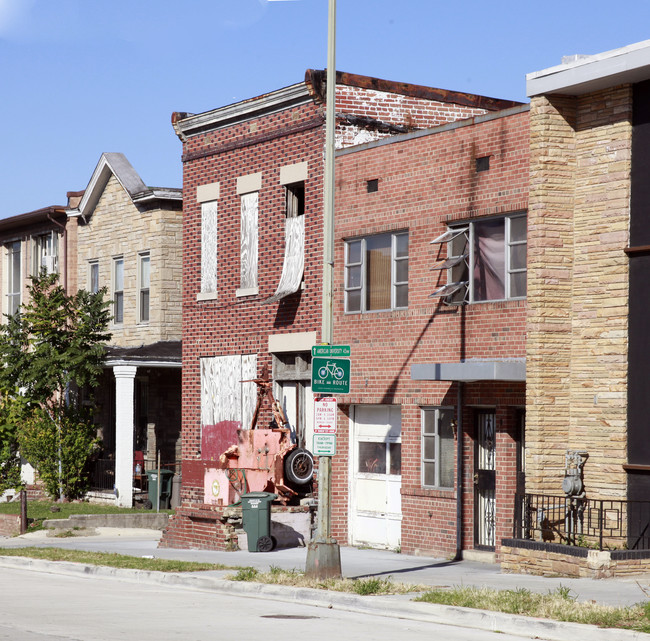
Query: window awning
{"points": [[513, 369]]}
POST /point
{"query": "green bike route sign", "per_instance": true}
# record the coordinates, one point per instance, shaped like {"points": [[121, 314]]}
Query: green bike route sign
{"points": [[330, 370]]}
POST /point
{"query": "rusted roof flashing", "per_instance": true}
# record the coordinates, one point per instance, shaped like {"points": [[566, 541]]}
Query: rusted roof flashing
{"points": [[316, 79]]}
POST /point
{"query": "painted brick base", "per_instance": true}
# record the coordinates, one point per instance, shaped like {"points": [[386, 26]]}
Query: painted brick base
{"points": [[206, 527], [544, 559]]}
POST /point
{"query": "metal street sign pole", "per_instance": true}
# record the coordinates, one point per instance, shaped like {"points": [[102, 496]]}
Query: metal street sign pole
{"points": [[323, 553]]}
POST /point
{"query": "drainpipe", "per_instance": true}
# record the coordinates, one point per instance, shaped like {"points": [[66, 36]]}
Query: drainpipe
{"points": [[459, 474], [65, 251]]}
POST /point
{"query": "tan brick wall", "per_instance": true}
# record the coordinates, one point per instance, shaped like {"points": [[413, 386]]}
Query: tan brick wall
{"points": [[118, 228], [578, 289]]}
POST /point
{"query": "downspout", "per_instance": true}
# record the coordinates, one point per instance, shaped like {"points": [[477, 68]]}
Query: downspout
{"points": [[459, 474], [65, 251]]}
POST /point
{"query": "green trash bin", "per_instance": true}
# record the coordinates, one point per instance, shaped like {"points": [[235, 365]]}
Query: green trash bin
{"points": [[166, 477], [256, 517]]}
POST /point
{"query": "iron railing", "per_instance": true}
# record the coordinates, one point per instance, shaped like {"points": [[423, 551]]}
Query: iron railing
{"points": [[102, 474], [593, 523]]}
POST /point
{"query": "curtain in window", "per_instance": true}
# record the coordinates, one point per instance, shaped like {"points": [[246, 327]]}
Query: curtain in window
{"points": [[294, 259], [489, 260], [378, 265]]}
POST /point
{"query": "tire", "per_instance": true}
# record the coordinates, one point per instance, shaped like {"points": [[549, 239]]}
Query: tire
{"points": [[322, 372], [147, 505], [265, 544], [338, 373], [299, 466]]}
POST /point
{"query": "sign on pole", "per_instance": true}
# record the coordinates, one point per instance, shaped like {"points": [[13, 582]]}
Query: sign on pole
{"points": [[330, 369], [324, 427]]}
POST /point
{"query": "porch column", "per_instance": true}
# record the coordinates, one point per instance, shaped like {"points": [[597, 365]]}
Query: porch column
{"points": [[124, 426]]}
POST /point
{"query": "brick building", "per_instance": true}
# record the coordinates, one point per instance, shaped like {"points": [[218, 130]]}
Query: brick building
{"points": [[431, 297], [252, 263]]}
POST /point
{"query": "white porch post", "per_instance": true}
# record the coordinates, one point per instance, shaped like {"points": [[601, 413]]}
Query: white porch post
{"points": [[124, 425]]}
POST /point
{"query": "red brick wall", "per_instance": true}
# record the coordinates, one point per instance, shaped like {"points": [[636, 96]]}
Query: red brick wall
{"points": [[228, 325], [424, 183]]}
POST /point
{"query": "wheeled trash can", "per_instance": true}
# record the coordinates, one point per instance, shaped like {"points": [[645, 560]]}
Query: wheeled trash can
{"points": [[256, 517]]}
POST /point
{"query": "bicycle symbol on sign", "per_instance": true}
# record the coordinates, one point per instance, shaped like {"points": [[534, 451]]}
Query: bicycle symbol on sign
{"points": [[331, 369]]}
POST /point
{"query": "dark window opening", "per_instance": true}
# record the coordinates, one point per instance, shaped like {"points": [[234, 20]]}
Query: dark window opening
{"points": [[295, 199], [372, 185]]}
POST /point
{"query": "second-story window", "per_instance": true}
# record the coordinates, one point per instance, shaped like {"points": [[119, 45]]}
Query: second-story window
{"points": [[143, 286], [13, 277], [93, 276], [118, 290], [486, 260], [249, 209], [46, 253], [376, 272]]}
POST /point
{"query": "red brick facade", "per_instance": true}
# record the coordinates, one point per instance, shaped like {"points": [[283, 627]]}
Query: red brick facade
{"points": [[259, 137], [424, 183]]}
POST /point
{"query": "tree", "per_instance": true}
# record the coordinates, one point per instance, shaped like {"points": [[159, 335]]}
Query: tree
{"points": [[53, 345]]}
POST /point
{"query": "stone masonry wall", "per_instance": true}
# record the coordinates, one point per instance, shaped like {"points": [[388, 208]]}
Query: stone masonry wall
{"points": [[118, 228], [577, 289]]}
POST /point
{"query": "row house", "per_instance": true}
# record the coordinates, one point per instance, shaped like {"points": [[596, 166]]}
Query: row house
{"points": [[120, 234], [252, 264], [431, 296]]}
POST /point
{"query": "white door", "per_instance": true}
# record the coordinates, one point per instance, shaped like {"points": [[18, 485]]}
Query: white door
{"points": [[376, 468]]}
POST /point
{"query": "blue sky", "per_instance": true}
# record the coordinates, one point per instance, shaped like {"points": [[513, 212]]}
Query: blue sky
{"points": [[80, 77]]}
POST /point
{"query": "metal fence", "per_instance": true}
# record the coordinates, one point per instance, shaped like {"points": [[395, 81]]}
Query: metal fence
{"points": [[594, 523], [102, 474]]}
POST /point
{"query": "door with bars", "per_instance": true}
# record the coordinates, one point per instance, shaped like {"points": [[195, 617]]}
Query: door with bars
{"points": [[485, 480]]}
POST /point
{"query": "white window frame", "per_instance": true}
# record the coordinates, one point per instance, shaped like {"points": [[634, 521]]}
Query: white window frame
{"points": [[362, 266], [45, 253], [93, 276], [435, 436], [13, 296], [118, 292], [144, 287], [461, 288]]}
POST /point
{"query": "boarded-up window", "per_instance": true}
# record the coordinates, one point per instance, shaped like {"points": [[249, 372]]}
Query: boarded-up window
{"points": [[249, 207], [223, 395], [209, 247]]}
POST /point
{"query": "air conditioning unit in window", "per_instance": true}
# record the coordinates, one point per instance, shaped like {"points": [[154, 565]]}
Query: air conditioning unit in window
{"points": [[456, 291]]}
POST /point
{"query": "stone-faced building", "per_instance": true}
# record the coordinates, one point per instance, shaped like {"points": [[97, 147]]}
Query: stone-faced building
{"points": [[128, 239], [588, 377], [431, 296], [252, 262]]}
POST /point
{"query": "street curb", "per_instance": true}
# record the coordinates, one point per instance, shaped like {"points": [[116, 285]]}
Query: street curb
{"points": [[387, 606]]}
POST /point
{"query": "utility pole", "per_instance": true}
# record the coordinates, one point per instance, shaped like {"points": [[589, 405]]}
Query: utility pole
{"points": [[323, 553]]}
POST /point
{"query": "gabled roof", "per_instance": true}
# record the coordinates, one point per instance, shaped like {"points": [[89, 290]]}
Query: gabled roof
{"points": [[116, 164]]}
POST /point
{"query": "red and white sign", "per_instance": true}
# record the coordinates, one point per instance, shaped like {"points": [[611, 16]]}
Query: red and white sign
{"points": [[325, 416]]}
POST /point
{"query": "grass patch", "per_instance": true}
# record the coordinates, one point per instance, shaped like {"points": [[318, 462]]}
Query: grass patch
{"points": [[559, 605], [113, 560], [296, 578], [38, 511]]}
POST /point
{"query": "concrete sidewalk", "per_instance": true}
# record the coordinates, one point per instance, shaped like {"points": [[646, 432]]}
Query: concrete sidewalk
{"points": [[355, 562]]}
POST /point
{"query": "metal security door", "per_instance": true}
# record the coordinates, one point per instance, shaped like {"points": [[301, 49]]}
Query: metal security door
{"points": [[485, 481]]}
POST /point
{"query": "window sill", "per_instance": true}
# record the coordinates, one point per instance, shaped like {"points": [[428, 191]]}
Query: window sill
{"points": [[206, 296], [429, 492], [250, 291]]}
